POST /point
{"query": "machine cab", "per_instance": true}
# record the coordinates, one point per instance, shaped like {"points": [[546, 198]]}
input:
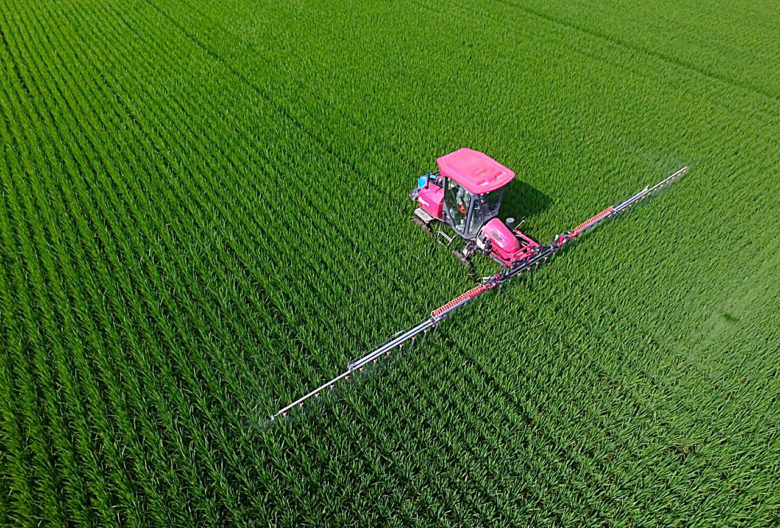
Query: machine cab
{"points": [[466, 195], [474, 186]]}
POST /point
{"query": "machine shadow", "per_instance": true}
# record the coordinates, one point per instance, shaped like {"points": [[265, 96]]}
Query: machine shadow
{"points": [[524, 200]]}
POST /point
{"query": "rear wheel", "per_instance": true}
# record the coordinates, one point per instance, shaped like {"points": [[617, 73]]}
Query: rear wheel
{"points": [[424, 226], [461, 257]]}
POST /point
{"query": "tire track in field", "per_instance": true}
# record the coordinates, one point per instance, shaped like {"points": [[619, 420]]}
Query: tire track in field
{"points": [[610, 39], [319, 140], [303, 88], [325, 125], [467, 13]]}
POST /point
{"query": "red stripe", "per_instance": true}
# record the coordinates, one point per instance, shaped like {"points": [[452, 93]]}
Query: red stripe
{"points": [[592, 220], [468, 295]]}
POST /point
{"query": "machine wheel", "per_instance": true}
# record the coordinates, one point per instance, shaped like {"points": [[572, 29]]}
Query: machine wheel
{"points": [[425, 227], [462, 256]]}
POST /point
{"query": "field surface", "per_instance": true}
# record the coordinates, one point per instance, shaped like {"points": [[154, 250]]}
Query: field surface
{"points": [[204, 213]]}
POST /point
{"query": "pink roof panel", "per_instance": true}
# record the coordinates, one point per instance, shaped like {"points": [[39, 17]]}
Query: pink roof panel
{"points": [[477, 172]]}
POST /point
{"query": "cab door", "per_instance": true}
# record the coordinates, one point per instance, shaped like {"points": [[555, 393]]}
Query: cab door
{"points": [[457, 204]]}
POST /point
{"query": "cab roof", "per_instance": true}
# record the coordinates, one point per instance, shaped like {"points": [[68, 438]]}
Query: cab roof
{"points": [[477, 172]]}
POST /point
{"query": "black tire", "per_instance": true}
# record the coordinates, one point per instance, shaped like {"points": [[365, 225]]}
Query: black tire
{"points": [[461, 257], [425, 227]]}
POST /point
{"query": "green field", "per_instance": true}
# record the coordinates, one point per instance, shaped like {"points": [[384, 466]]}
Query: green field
{"points": [[204, 214]]}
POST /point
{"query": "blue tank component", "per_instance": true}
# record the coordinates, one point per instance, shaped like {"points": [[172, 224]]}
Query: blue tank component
{"points": [[422, 181]]}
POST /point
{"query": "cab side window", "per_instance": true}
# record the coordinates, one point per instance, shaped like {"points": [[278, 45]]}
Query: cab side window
{"points": [[477, 218]]}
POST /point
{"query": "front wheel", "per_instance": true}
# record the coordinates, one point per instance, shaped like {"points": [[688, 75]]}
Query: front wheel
{"points": [[465, 255], [464, 258], [425, 227]]}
